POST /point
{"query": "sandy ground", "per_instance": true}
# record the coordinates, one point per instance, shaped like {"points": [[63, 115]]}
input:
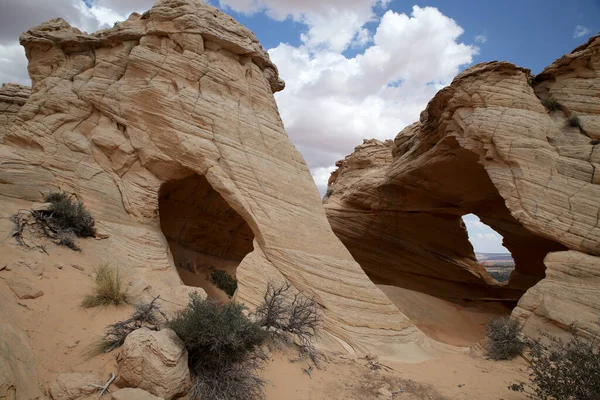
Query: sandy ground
{"points": [[61, 333], [442, 320], [457, 376]]}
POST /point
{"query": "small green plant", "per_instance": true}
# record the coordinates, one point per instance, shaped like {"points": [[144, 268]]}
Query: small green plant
{"points": [[223, 281], [574, 121], [145, 315], [224, 350], [503, 341], [552, 104], [108, 288]]}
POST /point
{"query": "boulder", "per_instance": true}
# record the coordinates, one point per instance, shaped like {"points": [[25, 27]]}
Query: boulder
{"points": [[23, 288], [156, 362], [496, 143], [73, 386], [133, 394], [32, 267]]}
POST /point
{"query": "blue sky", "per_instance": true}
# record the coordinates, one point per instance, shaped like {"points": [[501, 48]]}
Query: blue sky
{"points": [[354, 69]]}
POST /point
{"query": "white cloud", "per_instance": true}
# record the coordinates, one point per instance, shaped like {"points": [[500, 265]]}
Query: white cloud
{"points": [[335, 24], [481, 39], [483, 238], [321, 176], [580, 31], [332, 102], [13, 64]]}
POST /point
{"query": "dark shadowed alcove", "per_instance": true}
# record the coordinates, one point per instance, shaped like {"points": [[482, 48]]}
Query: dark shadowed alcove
{"points": [[202, 230]]}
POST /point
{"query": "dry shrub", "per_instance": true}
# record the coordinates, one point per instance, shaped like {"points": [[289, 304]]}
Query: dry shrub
{"points": [[108, 288], [296, 314], [504, 342], [224, 350], [145, 315]]}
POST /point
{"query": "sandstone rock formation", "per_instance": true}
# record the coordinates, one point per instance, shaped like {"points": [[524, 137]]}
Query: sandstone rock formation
{"points": [[156, 362], [12, 98], [133, 118], [497, 143], [23, 288]]}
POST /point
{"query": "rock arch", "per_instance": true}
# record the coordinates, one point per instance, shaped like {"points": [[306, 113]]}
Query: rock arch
{"points": [[202, 230]]}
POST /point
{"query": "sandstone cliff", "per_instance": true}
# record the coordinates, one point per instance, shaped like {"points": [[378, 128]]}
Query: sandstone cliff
{"points": [[523, 154], [166, 127]]}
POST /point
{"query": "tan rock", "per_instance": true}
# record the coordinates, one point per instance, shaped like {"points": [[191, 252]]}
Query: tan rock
{"points": [[12, 98], [23, 288], [73, 386], [18, 378], [485, 145], [177, 100], [27, 267], [155, 362], [133, 394]]}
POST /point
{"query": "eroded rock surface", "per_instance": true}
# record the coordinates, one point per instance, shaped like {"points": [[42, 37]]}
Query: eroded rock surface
{"points": [[12, 98], [489, 144], [178, 92]]}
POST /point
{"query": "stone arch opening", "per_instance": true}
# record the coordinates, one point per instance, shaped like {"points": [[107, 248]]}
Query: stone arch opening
{"points": [[488, 248], [405, 228], [203, 231]]}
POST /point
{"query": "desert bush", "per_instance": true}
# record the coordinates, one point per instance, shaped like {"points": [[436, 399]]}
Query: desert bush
{"points": [[108, 288], [329, 192], [503, 341], [145, 315], [552, 104], [574, 121], [68, 215], [224, 349], [566, 370], [223, 281], [62, 222], [563, 370], [285, 312]]}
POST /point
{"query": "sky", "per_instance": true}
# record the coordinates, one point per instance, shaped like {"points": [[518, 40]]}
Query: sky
{"points": [[355, 69]]}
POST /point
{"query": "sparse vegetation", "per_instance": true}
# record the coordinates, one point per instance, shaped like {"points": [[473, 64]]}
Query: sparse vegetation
{"points": [[552, 104], [503, 341], [563, 370], [501, 276], [223, 281], [594, 142], [282, 311], [108, 288], [224, 350], [62, 222], [145, 315], [574, 121], [329, 192]]}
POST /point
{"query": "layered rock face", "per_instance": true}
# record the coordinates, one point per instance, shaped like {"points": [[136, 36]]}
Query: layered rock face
{"points": [[503, 145], [168, 120]]}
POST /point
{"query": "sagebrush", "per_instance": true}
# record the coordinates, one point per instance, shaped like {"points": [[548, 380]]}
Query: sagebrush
{"points": [[552, 104], [223, 281], [503, 339], [563, 370], [224, 349], [108, 289]]}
